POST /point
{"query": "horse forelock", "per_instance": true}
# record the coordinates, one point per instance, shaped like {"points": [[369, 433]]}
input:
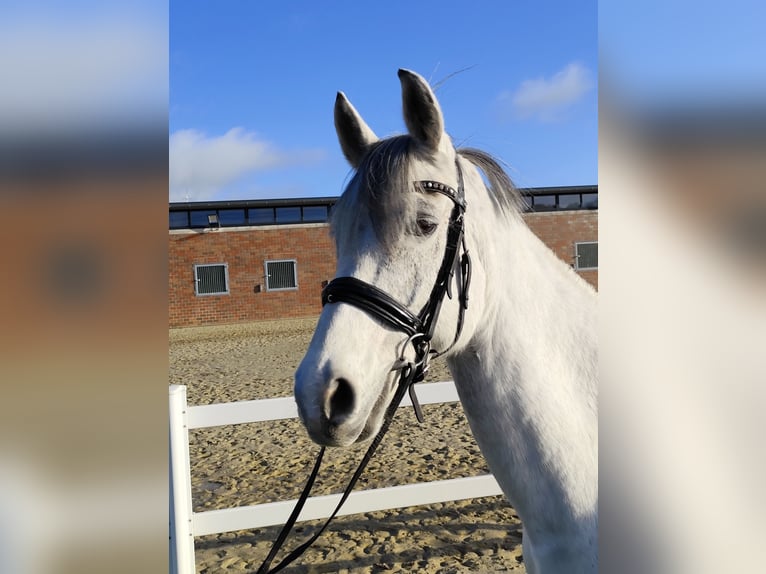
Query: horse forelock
{"points": [[381, 190]]}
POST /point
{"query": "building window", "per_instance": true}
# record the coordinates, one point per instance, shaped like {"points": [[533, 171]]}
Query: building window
{"points": [[260, 215], [586, 255], [179, 219], [590, 200], [288, 214], [544, 202], [281, 275], [527, 202], [315, 213], [211, 279], [567, 201], [231, 217], [199, 217]]}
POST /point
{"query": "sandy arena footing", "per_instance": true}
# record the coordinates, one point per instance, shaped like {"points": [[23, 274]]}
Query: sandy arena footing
{"points": [[264, 462]]}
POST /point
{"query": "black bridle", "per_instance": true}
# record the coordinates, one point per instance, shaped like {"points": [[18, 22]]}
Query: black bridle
{"points": [[419, 330]]}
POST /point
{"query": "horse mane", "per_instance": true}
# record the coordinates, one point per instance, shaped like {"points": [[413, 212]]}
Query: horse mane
{"points": [[502, 191], [380, 188]]}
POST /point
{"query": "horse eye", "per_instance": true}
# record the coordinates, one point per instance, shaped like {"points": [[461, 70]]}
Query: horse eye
{"points": [[425, 226]]}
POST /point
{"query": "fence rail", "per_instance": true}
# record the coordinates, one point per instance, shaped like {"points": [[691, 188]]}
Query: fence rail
{"points": [[186, 524]]}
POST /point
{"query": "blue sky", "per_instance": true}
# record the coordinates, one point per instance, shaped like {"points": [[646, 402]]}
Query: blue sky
{"points": [[252, 87]]}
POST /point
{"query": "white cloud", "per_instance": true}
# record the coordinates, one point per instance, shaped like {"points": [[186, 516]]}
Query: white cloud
{"points": [[547, 98], [201, 165]]}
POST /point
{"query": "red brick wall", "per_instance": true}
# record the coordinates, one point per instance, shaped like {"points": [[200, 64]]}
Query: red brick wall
{"points": [[561, 229], [246, 249]]}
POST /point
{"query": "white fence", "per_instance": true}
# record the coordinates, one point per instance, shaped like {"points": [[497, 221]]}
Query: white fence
{"points": [[186, 524]]}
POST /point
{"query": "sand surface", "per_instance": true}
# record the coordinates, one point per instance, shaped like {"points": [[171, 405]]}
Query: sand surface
{"points": [[254, 463]]}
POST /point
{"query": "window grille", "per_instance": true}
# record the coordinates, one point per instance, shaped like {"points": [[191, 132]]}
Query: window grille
{"points": [[211, 279], [281, 275], [586, 255]]}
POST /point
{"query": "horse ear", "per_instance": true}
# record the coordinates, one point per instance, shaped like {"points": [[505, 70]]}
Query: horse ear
{"points": [[422, 113], [354, 134]]}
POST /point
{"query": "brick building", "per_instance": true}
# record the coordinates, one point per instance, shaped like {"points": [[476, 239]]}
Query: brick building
{"points": [[233, 261]]}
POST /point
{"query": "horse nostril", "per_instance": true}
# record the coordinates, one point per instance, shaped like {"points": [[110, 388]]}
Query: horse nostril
{"points": [[339, 400]]}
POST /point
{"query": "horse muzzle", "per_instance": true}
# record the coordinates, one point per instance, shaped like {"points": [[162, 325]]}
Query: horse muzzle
{"points": [[338, 410]]}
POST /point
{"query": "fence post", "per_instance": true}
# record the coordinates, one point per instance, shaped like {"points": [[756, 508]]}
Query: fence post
{"points": [[181, 534]]}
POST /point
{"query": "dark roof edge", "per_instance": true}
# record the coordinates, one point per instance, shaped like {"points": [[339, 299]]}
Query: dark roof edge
{"points": [[308, 201], [239, 203], [560, 189]]}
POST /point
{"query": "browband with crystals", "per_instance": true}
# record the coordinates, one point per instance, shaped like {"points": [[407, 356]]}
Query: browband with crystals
{"points": [[443, 188]]}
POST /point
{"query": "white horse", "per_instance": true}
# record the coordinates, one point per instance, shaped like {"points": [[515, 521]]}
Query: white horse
{"points": [[525, 364]]}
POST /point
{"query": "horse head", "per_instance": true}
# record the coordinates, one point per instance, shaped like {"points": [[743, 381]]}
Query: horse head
{"points": [[391, 230]]}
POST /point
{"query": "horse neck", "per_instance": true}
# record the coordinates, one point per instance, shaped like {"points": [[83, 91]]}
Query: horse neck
{"points": [[527, 376], [537, 313]]}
